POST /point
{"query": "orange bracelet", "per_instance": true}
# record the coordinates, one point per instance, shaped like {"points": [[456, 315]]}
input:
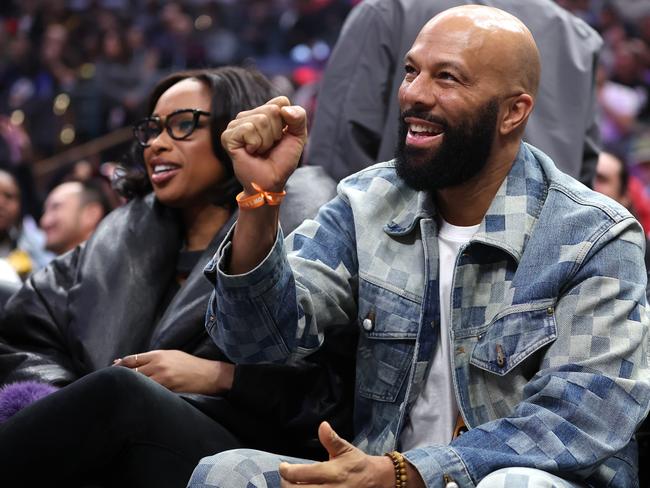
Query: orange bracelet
{"points": [[258, 199]]}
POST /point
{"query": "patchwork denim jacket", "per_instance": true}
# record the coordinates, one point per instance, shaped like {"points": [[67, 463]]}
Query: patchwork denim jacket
{"points": [[548, 326]]}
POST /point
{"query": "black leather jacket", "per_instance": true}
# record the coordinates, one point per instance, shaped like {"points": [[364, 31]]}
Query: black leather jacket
{"points": [[101, 301]]}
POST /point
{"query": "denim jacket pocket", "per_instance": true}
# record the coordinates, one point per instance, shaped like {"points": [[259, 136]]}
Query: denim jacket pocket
{"points": [[513, 336], [388, 324]]}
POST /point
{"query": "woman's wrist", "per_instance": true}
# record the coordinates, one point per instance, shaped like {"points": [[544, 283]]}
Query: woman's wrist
{"points": [[219, 377], [225, 376]]}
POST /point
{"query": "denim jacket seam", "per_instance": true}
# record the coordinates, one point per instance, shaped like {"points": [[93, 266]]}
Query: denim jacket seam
{"points": [[388, 287], [609, 211], [516, 359], [593, 242], [462, 462], [270, 270]]}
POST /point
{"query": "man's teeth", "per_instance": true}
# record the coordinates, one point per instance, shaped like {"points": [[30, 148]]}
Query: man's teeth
{"points": [[423, 129], [163, 167]]}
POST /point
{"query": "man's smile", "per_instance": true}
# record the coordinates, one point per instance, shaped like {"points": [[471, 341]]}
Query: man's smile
{"points": [[423, 134]]}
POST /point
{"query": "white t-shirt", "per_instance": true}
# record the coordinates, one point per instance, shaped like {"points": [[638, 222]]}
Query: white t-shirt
{"points": [[433, 416]]}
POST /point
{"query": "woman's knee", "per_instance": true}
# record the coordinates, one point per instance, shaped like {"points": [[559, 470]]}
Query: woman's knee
{"points": [[112, 379], [114, 387], [237, 468]]}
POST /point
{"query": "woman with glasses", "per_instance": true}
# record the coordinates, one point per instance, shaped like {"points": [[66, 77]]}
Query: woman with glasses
{"points": [[118, 323]]}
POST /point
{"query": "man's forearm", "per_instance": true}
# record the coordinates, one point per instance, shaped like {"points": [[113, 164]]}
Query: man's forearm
{"points": [[254, 236]]}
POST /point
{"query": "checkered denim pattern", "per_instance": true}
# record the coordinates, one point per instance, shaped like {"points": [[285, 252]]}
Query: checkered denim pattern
{"points": [[240, 468], [548, 323], [246, 468], [524, 478]]}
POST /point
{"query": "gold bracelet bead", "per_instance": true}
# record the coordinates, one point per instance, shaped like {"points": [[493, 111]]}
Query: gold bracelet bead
{"points": [[399, 464]]}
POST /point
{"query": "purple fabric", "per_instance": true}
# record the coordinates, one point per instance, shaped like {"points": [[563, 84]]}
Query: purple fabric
{"points": [[16, 396]]}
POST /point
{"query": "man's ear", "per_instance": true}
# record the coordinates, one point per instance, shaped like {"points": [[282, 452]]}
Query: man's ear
{"points": [[516, 112]]}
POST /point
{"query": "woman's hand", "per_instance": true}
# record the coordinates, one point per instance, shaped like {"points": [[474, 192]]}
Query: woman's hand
{"points": [[181, 372]]}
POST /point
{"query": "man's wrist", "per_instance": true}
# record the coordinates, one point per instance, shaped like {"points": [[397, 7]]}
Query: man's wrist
{"points": [[385, 469], [385, 472], [414, 478]]}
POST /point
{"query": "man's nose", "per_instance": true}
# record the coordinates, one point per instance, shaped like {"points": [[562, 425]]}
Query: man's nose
{"points": [[46, 220], [417, 93]]}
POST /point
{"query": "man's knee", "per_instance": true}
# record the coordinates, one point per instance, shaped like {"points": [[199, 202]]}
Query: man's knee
{"points": [[237, 468], [523, 478]]}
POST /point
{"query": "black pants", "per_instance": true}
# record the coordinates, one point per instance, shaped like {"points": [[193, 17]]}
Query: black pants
{"points": [[113, 427]]}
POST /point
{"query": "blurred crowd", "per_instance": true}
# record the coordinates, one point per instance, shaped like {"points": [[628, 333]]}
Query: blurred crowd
{"points": [[73, 71], [623, 87]]}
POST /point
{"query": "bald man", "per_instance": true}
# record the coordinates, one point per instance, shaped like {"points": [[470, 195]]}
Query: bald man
{"points": [[72, 212], [355, 124], [500, 303]]}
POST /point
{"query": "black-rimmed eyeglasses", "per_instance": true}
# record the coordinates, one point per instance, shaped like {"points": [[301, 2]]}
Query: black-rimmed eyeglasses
{"points": [[179, 125]]}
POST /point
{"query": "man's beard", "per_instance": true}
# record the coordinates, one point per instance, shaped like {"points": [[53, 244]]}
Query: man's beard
{"points": [[463, 153]]}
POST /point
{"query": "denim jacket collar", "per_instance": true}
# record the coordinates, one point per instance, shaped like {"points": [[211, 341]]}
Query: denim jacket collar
{"points": [[511, 216]]}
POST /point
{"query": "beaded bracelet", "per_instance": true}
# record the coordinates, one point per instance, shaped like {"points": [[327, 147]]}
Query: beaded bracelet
{"points": [[399, 463], [260, 198]]}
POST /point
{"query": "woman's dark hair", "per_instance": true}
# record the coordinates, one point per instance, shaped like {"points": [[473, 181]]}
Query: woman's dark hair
{"points": [[233, 90]]}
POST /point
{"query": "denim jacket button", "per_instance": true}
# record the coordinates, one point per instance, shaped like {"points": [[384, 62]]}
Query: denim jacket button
{"points": [[367, 324], [449, 482], [501, 357], [549, 311]]}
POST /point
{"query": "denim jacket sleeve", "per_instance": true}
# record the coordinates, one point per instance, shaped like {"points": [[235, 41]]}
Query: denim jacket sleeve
{"points": [[591, 391], [253, 316]]}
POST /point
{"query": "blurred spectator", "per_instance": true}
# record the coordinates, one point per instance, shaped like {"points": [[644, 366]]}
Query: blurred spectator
{"points": [[72, 212], [21, 243], [613, 180], [620, 107], [261, 35], [123, 77], [640, 168], [10, 225], [221, 43], [176, 40], [629, 69]]}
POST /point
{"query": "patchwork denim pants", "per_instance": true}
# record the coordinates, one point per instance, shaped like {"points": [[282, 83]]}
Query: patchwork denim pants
{"points": [[246, 468]]}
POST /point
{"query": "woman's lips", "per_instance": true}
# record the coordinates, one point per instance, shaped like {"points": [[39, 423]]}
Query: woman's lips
{"points": [[164, 176], [162, 172]]}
